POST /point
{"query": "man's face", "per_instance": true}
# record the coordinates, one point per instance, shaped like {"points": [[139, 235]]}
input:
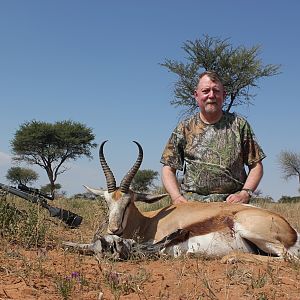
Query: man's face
{"points": [[209, 96]]}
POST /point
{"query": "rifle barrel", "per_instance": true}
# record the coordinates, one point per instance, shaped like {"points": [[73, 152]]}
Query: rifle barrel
{"points": [[71, 219], [15, 191]]}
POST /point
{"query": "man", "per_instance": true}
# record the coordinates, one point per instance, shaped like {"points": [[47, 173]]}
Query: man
{"points": [[212, 148]]}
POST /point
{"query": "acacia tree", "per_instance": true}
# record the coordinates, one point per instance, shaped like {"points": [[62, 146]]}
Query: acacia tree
{"points": [[143, 180], [18, 175], [51, 145], [290, 164], [240, 69], [47, 189]]}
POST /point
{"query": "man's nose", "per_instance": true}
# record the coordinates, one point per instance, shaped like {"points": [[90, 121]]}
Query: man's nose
{"points": [[211, 94]]}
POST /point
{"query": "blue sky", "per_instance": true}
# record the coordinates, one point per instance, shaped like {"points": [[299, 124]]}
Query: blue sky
{"points": [[97, 62]]}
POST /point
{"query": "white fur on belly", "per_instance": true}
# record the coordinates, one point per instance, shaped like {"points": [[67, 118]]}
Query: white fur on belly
{"points": [[212, 244]]}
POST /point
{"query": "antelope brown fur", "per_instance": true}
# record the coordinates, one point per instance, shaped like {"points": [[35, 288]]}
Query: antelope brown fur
{"points": [[212, 228]]}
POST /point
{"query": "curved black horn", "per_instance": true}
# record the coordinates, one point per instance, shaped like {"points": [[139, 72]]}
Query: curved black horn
{"points": [[110, 179], [126, 181]]}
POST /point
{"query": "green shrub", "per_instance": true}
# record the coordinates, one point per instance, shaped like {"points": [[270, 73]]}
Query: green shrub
{"points": [[26, 227], [10, 217]]}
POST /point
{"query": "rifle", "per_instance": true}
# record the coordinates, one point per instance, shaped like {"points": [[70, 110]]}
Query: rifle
{"points": [[33, 191], [35, 196]]}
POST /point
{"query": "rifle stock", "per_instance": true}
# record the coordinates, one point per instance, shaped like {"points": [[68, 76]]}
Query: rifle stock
{"points": [[71, 219]]}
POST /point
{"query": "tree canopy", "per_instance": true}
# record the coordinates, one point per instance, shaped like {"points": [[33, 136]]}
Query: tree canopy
{"points": [[18, 175], [143, 180], [240, 69], [290, 164], [48, 189], [51, 145]]}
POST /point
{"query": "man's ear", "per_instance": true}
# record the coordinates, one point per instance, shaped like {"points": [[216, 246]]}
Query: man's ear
{"points": [[195, 94]]}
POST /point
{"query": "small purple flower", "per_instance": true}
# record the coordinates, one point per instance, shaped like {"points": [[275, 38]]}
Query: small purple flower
{"points": [[114, 277], [75, 275]]}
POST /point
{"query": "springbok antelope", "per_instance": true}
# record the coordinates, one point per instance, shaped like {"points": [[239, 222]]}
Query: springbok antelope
{"points": [[211, 228]]}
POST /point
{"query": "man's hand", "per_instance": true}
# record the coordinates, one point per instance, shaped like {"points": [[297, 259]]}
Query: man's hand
{"points": [[240, 197], [171, 185], [179, 200]]}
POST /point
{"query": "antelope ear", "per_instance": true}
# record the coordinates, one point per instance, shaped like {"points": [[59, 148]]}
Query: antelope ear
{"points": [[95, 191], [148, 198]]}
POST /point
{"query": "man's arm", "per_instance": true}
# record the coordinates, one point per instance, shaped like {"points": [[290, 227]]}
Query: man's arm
{"points": [[171, 184], [252, 181]]}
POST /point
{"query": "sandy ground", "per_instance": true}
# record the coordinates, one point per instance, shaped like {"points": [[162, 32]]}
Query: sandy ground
{"points": [[53, 273]]}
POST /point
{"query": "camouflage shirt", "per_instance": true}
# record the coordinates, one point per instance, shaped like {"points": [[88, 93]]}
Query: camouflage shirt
{"points": [[213, 156]]}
